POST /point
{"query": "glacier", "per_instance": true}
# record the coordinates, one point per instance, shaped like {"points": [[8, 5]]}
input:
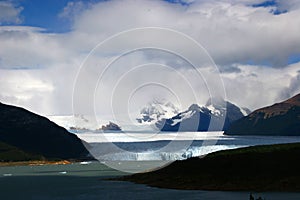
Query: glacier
{"points": [[153, 155], [118, 147]]}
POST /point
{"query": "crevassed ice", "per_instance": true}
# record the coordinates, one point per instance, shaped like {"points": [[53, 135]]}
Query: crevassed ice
{"points": [[157, 155]]}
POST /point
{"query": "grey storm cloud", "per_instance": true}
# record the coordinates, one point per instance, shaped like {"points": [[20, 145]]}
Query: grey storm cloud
{"points": [[9, 13]]}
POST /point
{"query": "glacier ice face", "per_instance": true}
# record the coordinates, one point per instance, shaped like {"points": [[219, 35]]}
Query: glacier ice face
{"points": [[155, 151], [152, 155], [134, 154]]}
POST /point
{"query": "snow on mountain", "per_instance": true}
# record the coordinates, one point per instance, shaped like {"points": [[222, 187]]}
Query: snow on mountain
{"points": [[156, 110], [165, 116], [184, 115], [187, 120], [245, 111], [215, 111], [216, 116]]}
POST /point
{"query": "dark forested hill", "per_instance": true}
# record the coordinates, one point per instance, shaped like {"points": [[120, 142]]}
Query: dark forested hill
{"points": [[258, 168], [26, 133]]}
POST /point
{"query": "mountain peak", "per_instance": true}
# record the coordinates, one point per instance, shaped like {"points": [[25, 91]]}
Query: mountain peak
{"points": [[194, 107], [157, 110], [221, 115], [216, 101]]}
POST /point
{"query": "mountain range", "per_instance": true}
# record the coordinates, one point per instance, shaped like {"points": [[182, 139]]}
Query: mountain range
{"points": [[279, 119], [27, 135], [215, 116], [255, 168]]}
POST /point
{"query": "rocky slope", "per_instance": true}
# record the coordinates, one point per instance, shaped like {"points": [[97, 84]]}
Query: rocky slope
{"points": [[279, 119]]}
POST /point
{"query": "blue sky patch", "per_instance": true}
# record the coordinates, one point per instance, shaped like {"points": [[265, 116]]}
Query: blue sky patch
{"points": [[44, 14], [294, 59], [266, 4], [182, 2], [272, 3]]}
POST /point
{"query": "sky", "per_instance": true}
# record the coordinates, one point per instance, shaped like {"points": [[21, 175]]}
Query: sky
{"points": [[53, 51]]}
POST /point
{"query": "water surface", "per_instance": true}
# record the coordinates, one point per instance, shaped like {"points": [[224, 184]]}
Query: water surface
{"points": [[78, 182]]}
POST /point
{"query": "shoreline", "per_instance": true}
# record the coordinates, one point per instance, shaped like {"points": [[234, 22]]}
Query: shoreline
{"points": [[262, 168], [35, 163]]}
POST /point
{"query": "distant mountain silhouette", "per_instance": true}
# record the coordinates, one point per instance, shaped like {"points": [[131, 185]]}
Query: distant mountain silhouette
{"points": [[25, 131], [110, 127], [279, 119], [213, 117]]}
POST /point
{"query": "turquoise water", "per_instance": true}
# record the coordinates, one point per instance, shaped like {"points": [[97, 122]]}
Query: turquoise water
{"points": [[77, 181]]}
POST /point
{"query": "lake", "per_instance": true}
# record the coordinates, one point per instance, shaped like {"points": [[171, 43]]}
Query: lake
{"points": [[88, 180]]}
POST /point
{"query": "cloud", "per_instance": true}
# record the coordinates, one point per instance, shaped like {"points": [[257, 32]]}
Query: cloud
{"points": [[26, 89], [231, 32], [292, 89], [288, 5], [265, 87], [230, 69], [29, 48], [38, 69], [73, 9], [9, 13]]}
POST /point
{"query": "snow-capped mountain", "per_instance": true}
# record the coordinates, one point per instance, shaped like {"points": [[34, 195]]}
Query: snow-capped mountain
{"points": [[165, 116], [155, 111], [215, 116]]}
